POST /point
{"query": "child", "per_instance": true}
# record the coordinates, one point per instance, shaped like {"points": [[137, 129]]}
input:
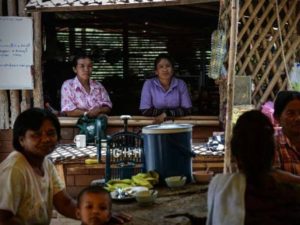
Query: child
{"points": [[94, 206]]}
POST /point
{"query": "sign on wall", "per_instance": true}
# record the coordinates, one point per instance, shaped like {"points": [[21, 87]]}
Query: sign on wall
{"points": [[16, 53]]}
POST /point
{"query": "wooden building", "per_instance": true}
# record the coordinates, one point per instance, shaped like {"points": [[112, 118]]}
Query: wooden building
{"points": [[267, 44]]}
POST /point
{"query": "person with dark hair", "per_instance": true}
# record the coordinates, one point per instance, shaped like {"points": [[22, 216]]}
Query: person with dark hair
{"points": [[165, 96], [256, 194], [94, 206], [82, 95], [30, 185], [287, 114]]}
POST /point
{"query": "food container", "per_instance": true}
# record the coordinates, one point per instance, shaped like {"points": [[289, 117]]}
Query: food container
{"points": [[175, 182], [203, 176], [145, 198], [168, 150]]}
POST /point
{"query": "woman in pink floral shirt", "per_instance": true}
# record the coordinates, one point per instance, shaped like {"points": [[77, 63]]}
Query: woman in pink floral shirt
{"points": [[81, 95]]}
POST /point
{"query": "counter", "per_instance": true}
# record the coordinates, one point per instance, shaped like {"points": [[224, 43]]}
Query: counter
{"points": [[203, 126], [144, 121]]}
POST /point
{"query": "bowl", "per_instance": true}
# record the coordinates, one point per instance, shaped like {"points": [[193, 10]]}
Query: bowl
{"points": [[175, 181], [145, 198], [202, 176]]}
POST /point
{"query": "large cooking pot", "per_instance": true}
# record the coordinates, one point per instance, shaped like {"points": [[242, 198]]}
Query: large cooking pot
{"points": [[168, 150]]}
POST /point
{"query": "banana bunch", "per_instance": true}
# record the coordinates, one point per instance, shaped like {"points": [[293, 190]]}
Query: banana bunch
{"points": [[141, 179], [114, 184]]}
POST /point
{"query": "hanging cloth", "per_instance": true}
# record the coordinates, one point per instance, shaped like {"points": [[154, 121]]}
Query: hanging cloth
{"points": [[218, 47], [294, 77], [218, 52]]}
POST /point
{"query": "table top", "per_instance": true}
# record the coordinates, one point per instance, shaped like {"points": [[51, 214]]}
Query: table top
{"points": [[68, 152], [171, 206]]}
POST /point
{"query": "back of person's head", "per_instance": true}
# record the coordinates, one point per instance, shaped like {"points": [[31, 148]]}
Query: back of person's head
{"points": [[95, 190], [32, 119], [80, 55], [252, 144], [163, 56], [282, 99]]}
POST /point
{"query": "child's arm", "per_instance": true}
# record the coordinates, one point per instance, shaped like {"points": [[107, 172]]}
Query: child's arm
{"points": [[120, 218], [64, 204]]}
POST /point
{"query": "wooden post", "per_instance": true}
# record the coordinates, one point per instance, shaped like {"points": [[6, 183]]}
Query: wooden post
{"points": [[14, 94], [12, 8], [230, 82], [4, 116], [125, 50], [298, 26], [21, 7], [72, 39], [38, 100], [25, 101]]}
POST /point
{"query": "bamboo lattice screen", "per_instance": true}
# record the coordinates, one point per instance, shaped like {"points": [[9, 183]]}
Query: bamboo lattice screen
{"points": [[267, 46], [267, 41]]}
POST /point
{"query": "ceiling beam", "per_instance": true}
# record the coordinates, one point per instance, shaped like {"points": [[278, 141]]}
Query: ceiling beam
{"points": [[117, 6]]}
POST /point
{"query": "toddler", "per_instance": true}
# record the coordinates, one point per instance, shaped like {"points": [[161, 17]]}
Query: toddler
{"points": [[94, 206]]}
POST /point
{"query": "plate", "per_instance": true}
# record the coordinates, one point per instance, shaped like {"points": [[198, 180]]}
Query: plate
{"points": [[114, 195], [131, 191]]}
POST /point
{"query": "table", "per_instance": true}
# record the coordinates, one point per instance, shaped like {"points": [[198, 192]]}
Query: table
{"points": [[68, 158], [170, 207]]}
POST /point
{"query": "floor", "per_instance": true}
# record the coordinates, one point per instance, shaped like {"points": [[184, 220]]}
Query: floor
{"points": [[58, 219]]}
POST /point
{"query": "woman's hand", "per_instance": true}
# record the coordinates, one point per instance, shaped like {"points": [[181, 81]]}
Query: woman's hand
{"points": [[120, 218], [285, 177], [160, 118], [96, 111]]}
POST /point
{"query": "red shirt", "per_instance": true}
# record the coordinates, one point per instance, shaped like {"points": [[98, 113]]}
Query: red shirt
{"points": [[286, 156]]}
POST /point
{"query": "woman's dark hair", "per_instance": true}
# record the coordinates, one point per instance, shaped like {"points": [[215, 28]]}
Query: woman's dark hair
{"points": [[253, 144], [282, 99], [93, 189], [32, 119], [80, 55], [163, 56]]}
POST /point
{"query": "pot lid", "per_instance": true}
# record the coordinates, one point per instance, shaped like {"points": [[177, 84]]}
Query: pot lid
{"points": [[167, 128]]}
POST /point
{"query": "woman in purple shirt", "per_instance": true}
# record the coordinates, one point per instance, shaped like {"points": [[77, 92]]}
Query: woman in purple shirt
{"points": [[165, 95]]}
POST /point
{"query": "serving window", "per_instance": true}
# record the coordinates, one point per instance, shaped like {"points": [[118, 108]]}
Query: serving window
{"points": [[124, 44]]}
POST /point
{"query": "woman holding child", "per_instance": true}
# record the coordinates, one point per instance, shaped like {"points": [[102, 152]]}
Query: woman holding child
{"points": [[30, 185]]}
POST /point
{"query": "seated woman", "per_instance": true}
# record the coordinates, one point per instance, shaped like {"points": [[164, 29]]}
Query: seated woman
{"points": [[287, 114], [165, 95], [81, 95], [257, 194]]}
